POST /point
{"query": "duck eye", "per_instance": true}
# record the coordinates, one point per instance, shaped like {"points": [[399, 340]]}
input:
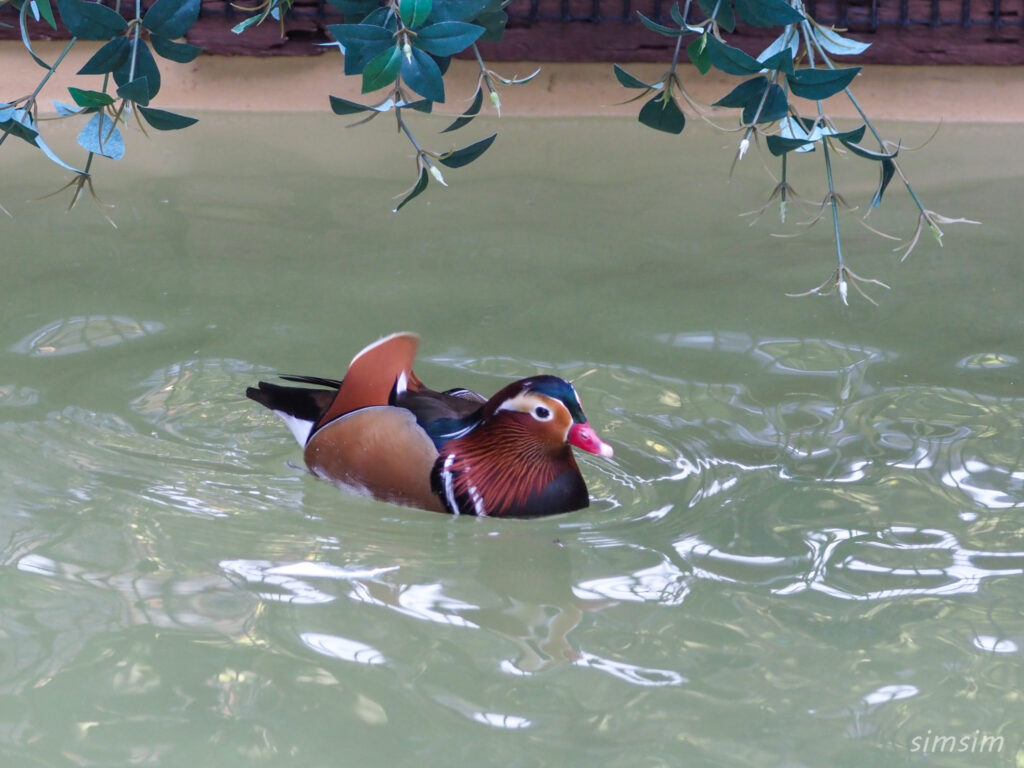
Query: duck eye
{"points": [[542, 413]]}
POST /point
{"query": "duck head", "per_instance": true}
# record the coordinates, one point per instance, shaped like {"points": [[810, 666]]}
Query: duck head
{"points": [[517, 460]]}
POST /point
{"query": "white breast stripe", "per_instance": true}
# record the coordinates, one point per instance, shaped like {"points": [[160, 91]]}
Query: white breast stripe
{"points": [[478, 502], [448, 482]]}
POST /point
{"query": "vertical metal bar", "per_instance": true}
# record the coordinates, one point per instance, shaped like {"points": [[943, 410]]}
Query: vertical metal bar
{"points": [[997, 14], [874, 15], [965, 14], [904, 13]]}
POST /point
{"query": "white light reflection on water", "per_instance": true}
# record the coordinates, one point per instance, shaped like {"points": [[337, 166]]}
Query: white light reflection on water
{"points": [[342, 648], [289, 580]]}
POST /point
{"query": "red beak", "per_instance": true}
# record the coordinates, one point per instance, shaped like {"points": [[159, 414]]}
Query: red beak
{"points": [[585, 438]]}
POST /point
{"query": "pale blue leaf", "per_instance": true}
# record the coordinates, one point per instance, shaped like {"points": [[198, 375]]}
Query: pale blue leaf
{"points": [[64, 110], [101, 137], [835, 43], [53, 155]]}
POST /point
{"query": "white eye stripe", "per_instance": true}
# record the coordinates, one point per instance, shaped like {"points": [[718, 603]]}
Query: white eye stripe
{"points": [[536, 405]]}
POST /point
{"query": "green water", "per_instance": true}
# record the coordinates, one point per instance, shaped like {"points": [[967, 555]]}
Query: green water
{"points": [[807, 551]]}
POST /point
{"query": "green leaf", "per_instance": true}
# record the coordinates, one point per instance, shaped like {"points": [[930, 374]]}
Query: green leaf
{"points": [[171, 18], [868, 154], [457, 10], [382, 69], [731, 60], [699, 54], [467, 155], [182, 53], [725, 18], [90, 21], [162, 120], [767, 13], [779, 145], [145, 66], [108, 58], [782, 61], [361, 43], [345, 107], [25, 39], [100, 136], [17, 122], [775, 107], [887, 171], [244, 24], [819, 84], [46, 11], [493, 19], [467, 116], [850, 137], [90, 99], [663, 114], [414, 12], [355, 7], [137, 91], [421, 73], [446, 38], [749, 96], [420, 105], [743, 93], [629, 81], [420, 185], [661, 29]]}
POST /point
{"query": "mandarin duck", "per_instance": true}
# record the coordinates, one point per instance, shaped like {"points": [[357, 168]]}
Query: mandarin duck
{"points": [[381, 432]]}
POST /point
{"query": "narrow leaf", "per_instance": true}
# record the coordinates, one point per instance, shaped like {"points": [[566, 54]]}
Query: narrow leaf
{"points": [[731, 60], [421, 184], [382, 69], [466, 117], [886, 174], [244, 24], [811, 83], [779, 145], [171, 18], [767, 13], [90, 21], [457, 10], [46, 11], [447, 38], [357, 8], [25, 39], [663, 114], [836, 44], [90, 98], [414, 12], [345, 107], [850, 137], [182, 53], [66, 110], [868, 154], [629, 81], [162, 120], [661, 29], [108, 58], [466, 155]]}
